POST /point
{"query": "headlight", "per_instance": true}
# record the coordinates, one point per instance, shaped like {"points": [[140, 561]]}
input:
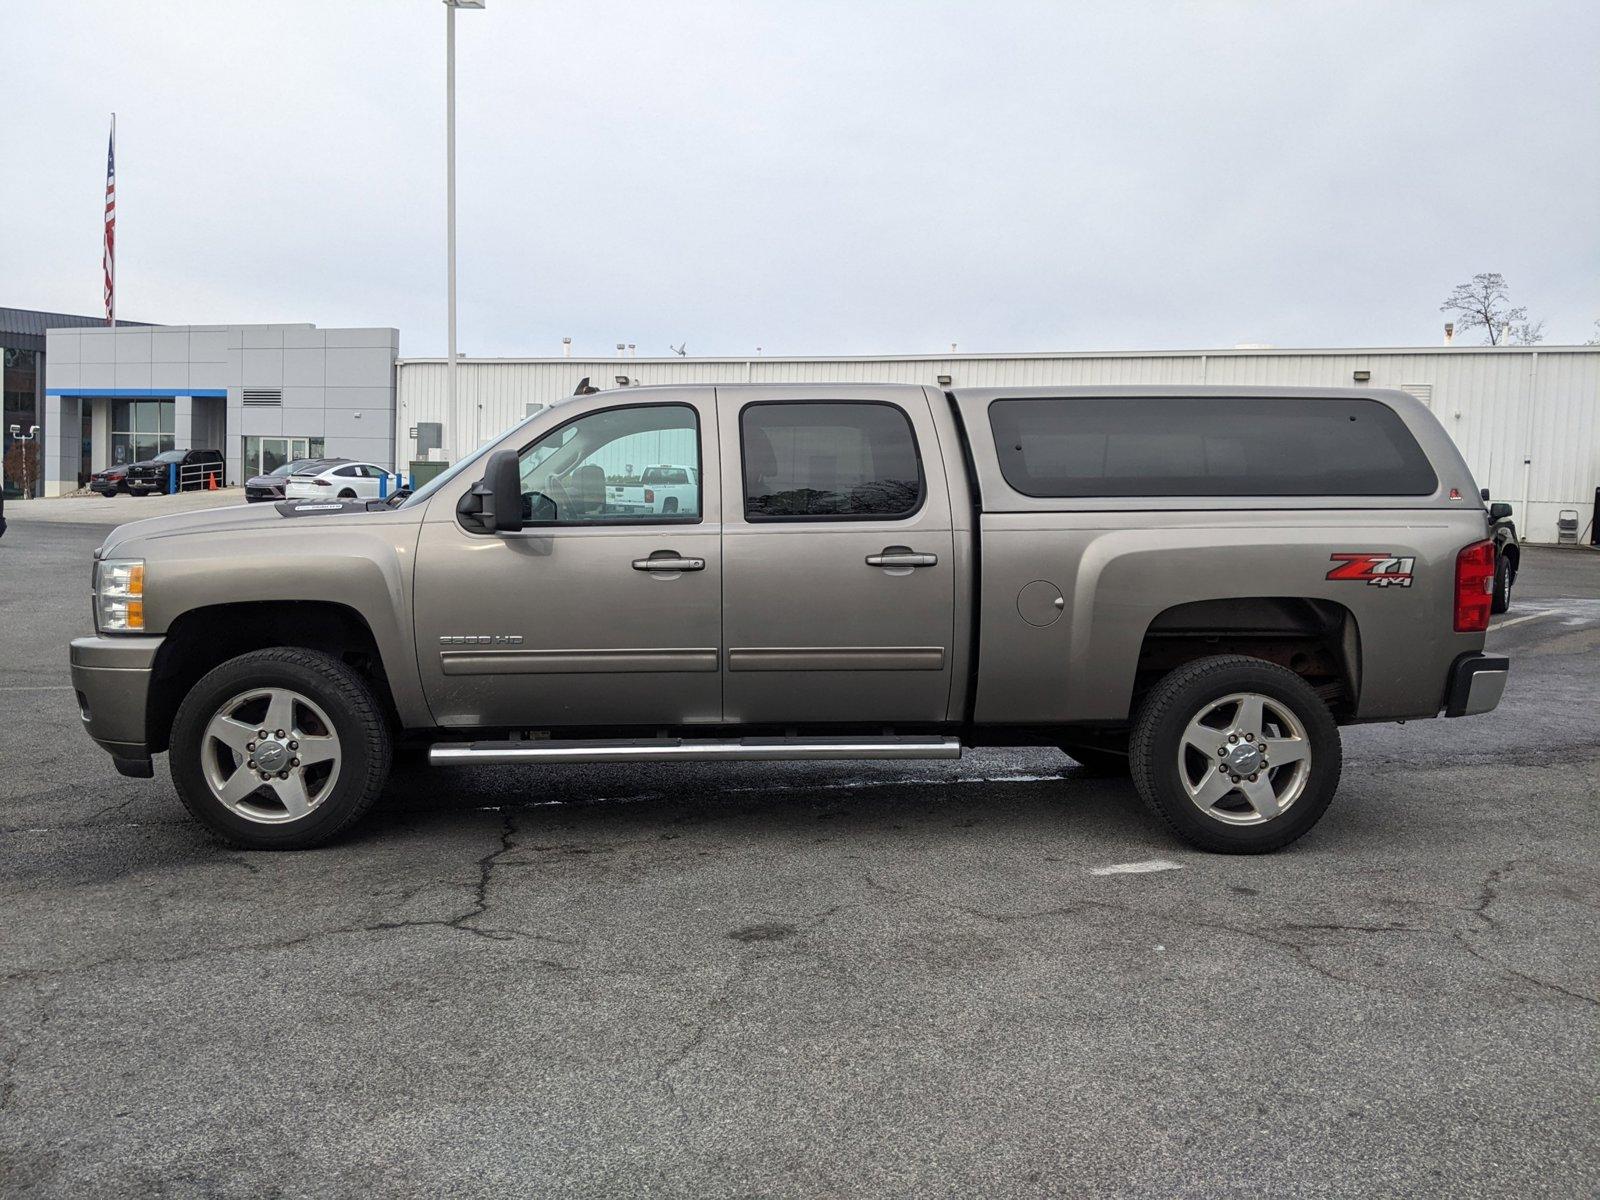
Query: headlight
{"points": [[119, 596]]}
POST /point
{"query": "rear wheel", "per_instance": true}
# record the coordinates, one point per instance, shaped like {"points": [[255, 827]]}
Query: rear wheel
{"points": [[347, 494], [1235, 754], [280, 749], [669, 505]]}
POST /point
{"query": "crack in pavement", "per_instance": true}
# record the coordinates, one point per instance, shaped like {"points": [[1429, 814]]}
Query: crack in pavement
{"points": [[463, 922]]}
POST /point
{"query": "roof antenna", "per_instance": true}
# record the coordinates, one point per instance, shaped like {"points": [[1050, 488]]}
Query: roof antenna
{"points": [[584, 388]]}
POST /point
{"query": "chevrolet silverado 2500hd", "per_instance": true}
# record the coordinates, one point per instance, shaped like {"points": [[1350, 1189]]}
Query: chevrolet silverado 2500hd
{"points": [[1197, 586]]}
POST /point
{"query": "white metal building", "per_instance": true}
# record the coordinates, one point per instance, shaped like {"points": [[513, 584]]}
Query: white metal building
{"points": [[1526, 418]]}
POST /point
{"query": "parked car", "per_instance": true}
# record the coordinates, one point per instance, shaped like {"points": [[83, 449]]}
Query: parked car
{"points": [[338, 479], [271, 486], [1507, 552], [663, 490], [196, 471], [110, 481], [1196, 586]]}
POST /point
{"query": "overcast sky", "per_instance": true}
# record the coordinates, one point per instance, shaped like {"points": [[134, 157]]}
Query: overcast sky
{"points": [[812, 178]]}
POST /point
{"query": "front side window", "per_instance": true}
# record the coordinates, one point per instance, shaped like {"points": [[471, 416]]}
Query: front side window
{"points": [[587, 471], [829, 460], [1071, 446]]}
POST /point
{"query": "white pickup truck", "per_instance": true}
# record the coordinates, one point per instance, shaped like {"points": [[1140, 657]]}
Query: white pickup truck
{"points": [[662, 491]]}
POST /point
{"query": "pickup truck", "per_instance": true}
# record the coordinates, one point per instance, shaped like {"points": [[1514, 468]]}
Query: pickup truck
{"points": [[663, 489], [1193, 586]]}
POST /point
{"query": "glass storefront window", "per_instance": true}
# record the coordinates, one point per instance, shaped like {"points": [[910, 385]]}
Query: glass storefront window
{"points": [[141, 429], [264, 455]]}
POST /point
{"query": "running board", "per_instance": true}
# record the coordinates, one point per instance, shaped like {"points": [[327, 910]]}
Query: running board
{"points": [[445, 754]]}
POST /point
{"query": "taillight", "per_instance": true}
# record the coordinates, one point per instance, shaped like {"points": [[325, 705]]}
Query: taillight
{"points": [[323, 482], [1474, 587], [649, 495]]}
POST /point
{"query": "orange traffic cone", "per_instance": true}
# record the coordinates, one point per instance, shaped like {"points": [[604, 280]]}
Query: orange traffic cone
{"points": [[211, 482]]}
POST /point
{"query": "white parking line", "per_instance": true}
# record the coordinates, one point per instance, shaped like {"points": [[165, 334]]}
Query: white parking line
{"points": [[59, 687], [1137, 868], [1520, 620]]}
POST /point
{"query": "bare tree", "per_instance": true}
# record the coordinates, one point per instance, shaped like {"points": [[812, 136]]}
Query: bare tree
{"points": [[1485, 304], [1595, 340], [1525, 333]]}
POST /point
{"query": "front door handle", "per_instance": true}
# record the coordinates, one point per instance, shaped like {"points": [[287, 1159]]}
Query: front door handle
{"points": [[899, 556], [669, 562]]}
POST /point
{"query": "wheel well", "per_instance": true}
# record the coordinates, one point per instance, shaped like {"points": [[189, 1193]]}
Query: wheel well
{"points": [[1316, 639], [1513, 556], [203, 638]]}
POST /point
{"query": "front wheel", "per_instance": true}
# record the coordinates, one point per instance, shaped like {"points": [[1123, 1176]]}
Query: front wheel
{"points": [[280, 749], [1236, 755]]}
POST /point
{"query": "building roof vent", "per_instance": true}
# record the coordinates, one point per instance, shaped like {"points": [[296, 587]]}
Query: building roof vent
{"points": [[1422, 391], [263, 397]]}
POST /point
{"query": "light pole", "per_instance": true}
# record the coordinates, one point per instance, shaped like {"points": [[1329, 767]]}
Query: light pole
{"points": [[450, 7], [16, 436]]}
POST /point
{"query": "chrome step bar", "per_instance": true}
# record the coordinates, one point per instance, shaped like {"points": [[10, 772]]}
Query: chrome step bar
{"points": [[446, 754]]}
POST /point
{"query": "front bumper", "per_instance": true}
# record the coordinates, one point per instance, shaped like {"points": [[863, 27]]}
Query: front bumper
{"points": [[1477, 681], [112, 678]]}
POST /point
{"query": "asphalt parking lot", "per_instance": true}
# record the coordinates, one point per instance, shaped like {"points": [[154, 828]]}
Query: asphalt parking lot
{"points": [[833, 979]]}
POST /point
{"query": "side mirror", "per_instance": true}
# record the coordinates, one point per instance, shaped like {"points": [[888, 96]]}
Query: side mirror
{"points": [[1483, 494], [503, 481], [1499, 512]]}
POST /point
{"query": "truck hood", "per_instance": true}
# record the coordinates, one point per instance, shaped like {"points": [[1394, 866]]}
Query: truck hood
{"points": [[238, 517]]}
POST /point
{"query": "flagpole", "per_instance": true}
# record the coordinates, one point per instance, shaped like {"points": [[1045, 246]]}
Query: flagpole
{"points": [[113, 247]]}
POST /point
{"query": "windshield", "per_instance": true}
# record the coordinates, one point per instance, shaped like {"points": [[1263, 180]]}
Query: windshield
{"points": [[170, 456], [420, 496], [289, 468]]}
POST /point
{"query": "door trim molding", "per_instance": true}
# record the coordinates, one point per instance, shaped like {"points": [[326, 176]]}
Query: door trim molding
{"points": [[836, 658], [576, 662]]}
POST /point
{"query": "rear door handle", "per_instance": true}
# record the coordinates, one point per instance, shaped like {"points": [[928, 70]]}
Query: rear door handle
{"points": [[897, 556], [669, 563]]}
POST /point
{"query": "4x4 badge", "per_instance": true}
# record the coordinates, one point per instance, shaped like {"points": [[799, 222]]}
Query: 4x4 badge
{"points": [[1375, 570]]}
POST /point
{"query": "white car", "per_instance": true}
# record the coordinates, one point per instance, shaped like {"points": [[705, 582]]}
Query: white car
{"points": [[339, 481]]}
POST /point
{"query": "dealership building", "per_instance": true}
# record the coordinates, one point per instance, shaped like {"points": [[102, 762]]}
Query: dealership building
{"points": [[262, 394], [1527, 418]]}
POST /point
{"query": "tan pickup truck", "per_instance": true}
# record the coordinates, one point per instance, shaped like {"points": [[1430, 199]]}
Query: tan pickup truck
{"points": [[1194, 585]]}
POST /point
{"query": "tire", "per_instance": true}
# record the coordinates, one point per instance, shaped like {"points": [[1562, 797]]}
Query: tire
{"points": [[1098, 760], [333, 710], [347, 494], [1217, 695], [1501, 600], [669, 506]]}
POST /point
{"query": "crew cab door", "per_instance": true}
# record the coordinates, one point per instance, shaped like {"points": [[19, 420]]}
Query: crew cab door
{"points": [[838, 557], [590, 616]]}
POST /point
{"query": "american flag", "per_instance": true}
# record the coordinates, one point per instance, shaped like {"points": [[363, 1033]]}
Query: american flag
{"points": [[108, 258]]}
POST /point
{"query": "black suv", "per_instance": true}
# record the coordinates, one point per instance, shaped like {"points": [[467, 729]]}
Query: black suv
{"points": [[1507, 552], [196, 470]]}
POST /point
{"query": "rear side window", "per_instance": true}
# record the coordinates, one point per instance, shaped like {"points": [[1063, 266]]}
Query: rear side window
{"points": [[665, 476], [1158, 446], [829, 460]]}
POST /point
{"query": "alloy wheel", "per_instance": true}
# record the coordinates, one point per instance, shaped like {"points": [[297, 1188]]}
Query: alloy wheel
{"points": [[1244, 758], [270, 755]]}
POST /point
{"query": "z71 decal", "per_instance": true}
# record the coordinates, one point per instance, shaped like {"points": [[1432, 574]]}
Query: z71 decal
{"points": [[1376, 570]]}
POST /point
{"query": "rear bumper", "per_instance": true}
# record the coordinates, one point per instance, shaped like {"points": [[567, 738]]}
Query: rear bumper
{"points": [[112, 678], [1477, 681]]}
